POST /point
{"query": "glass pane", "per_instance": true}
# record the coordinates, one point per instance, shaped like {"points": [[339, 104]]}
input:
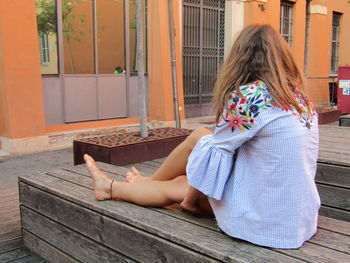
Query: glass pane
{"points": [[132, 35], [78, 36], [110, 36], [47, 29]]}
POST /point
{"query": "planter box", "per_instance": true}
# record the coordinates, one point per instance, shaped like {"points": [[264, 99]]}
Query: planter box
{"points": [[127, 148], [344, 120], [328, 115]]}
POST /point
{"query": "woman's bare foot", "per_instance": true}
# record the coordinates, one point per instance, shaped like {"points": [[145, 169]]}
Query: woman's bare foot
{"points": [[102, 184], [134, 176]]}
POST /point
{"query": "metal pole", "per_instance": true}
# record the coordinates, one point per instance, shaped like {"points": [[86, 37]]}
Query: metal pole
{"points": [[173, 65], [61, 56], [141, 77]]}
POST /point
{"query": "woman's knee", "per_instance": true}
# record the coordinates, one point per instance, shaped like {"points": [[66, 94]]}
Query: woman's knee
{"points": [[196, 135]]}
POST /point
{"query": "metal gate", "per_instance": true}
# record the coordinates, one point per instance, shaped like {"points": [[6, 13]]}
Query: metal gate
{"points": [[203, 52]]}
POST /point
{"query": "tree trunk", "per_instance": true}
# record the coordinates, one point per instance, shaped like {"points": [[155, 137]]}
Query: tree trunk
{"points": [[141, 77]]}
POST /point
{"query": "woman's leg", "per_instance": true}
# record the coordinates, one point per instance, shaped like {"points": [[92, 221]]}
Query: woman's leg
{"points": [[151, 193], [175, 164], [145, 193]]}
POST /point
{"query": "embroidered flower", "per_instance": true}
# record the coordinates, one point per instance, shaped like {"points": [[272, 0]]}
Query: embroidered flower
{"points": [[240, 108], [233, 107], [236, 121], [251, 121], [242, 111], [254, 108]]}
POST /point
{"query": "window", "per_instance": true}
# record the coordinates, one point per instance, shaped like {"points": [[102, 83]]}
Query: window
{"points": [[47, 29], [93, 36], [44, 49], [286, 21], [335, 42]]}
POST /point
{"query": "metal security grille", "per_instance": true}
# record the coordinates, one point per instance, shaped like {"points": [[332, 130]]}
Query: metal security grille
{"points": [[286, 21], [335, 42], [203, 52]]}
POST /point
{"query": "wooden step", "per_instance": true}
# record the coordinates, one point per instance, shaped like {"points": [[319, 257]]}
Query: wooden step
{"points": [[60, 217]]}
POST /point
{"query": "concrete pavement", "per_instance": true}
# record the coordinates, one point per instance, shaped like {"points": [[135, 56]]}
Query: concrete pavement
{"points": [[14, 166]]}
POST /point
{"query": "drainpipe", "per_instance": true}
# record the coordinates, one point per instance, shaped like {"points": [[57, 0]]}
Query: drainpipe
{"points": [[173, 65], [307, 36]]}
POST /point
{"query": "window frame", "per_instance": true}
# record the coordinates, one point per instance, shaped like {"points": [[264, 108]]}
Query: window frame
{"points": [[287, 5], [44, 49], [335, 43]]}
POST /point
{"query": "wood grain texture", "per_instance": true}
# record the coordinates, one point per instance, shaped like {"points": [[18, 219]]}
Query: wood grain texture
{"points": [[80, 247], [334, 225], [335, 213], [10, 244], [107, 230], [334, 196], [333, 175], [199, 239], [45, 250], [72, 187], [15, 253]]}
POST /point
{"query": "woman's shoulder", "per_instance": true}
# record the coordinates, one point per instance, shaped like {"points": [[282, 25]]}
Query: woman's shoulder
{"points": [[245, 107]]}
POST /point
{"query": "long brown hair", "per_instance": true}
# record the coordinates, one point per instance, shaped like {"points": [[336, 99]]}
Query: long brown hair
{"points": [[260, 53]]}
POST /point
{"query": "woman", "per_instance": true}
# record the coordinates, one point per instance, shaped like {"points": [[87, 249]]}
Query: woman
{"points": [[266, 194]]}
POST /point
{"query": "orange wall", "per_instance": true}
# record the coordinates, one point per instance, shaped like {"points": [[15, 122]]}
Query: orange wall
{"points": [[320, 47], [22, 107], [253, 14], [159, 63], [344, 8], [319, 38]]}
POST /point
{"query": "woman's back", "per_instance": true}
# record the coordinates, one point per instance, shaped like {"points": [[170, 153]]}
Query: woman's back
{"points": [[270, 197]]}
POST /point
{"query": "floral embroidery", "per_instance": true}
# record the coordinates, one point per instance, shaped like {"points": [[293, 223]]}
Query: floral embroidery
{"points": [[308, 114], [241, 112]]}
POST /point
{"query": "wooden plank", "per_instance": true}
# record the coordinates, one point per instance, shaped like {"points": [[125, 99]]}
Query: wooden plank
{"points": [[45, 250], [101, 228], [10, 244], [160, 160], [11, 234], [316, 240], [30, 259], [9, 209], [80, 247], [8, 199], [108, 167], [313, 253], [329, 145], [333, 174], [199, 239], [9, 191], [332, 240], [143, 168], [16, 253], [334, 196], [334, 225], [335, 213]]}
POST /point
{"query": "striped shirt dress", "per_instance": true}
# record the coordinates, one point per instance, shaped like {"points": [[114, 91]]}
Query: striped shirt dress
{"points": [[258, 170]]}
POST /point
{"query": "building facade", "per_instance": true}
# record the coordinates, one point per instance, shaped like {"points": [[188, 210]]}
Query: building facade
{"points": [[69, 65]]}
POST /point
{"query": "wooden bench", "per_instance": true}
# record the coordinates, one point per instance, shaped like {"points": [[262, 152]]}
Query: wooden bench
{"points": [[344, 120], [62, 222]]}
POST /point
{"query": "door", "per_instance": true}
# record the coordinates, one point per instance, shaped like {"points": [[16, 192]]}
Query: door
{"points": [[203, 52]]}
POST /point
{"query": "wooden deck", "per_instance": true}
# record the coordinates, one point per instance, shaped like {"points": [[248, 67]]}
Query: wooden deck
{"points": [[60, 217], [334, 152], [334, 145]]}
